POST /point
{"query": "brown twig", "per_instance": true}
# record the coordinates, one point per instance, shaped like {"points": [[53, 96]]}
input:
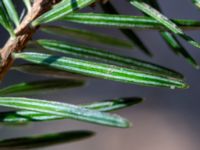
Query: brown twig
{"points": [[24, 33]]}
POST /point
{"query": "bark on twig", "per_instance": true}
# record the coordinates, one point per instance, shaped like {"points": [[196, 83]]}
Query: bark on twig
{"points": [[24, 33]]}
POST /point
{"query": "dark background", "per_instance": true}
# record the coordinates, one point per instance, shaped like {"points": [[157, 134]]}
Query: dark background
{"points": [[168, 119]]}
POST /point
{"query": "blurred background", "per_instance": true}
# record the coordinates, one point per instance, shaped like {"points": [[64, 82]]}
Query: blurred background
{"points": [[166, 120]]}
